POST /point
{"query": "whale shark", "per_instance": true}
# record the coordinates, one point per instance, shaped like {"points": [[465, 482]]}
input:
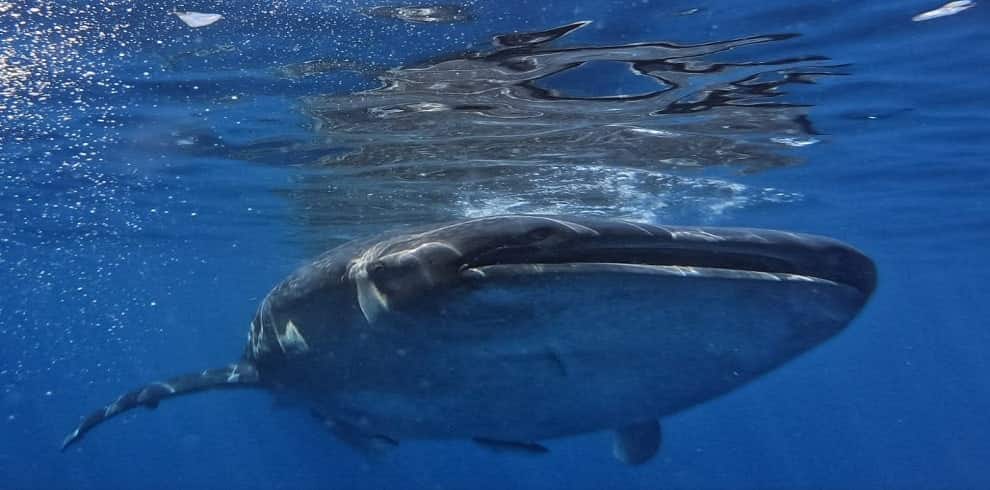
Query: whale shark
{"points": [[514, 330]]}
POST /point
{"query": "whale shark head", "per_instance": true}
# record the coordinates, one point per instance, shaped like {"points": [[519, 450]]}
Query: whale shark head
{"points": [[467, 271], [394, 272]]}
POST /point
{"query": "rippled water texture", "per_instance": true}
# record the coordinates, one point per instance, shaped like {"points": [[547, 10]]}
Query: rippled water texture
{"points": [[423, 13], [516, 128], [532, 123]]}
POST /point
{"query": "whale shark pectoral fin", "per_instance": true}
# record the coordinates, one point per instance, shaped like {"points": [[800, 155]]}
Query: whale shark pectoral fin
{"points": [[510, 446], [371, 301], [370, 445], [636, 443]]}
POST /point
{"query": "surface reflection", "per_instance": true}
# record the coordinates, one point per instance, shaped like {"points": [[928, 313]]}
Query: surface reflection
{"points": [[428, 14], [533, 127], [650, 105]]}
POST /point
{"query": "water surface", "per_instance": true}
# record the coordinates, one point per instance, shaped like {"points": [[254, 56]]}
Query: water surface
{"points": [[156, 180]]}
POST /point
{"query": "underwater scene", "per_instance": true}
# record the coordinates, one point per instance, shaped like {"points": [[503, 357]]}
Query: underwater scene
{"points": [[309, 244]]}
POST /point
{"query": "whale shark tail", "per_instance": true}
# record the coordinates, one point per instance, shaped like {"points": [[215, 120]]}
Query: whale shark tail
{"points": [[239, 375]]}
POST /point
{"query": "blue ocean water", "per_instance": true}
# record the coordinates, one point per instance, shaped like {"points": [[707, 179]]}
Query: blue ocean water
{"points": [[157, 179]]}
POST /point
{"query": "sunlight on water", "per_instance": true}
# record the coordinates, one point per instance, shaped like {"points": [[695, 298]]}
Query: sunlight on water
{"points": [[518, 128], [66, 202], [42, 63], [70, 224], [426, 14], [640, 195]]}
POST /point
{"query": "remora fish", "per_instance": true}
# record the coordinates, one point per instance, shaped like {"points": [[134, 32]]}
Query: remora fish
{"points": [[515, 329]]}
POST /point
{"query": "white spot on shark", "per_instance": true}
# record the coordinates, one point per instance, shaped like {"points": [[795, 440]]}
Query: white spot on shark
{"points": [[421, 249], [113, 408], [170, 388], [292, 341], [234, 376], [636, 226], [697, 234]]}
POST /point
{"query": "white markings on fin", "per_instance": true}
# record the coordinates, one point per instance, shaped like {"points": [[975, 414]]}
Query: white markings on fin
{"points": [[370, 299], [292, 341], [372, 302]]}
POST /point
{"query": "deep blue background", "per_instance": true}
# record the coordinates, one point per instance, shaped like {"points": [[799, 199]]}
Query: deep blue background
{"points": [[123, 261]]}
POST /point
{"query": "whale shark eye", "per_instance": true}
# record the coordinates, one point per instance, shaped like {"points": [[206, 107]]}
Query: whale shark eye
{"points": [[392, 276], [378, 272]]}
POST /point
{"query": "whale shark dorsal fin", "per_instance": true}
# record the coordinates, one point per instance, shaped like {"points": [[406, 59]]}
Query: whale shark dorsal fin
{"points": [[637, 443]]}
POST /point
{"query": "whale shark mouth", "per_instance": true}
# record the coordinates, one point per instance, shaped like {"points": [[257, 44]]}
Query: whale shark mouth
{"points": [[699, 252], [401, 273], [511, 270]]}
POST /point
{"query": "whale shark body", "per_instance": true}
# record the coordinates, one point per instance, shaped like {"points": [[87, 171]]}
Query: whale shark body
{"points": [[512, 330]]}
